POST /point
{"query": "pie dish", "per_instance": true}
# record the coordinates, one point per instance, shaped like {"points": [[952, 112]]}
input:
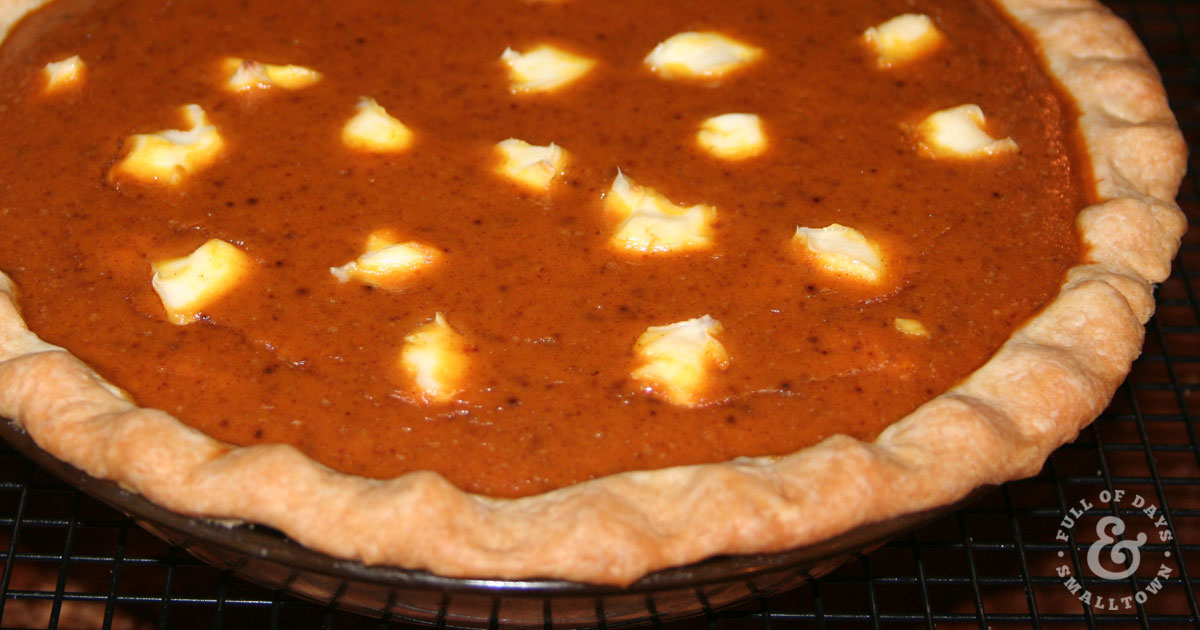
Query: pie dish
{"points": [[1054, 375]]}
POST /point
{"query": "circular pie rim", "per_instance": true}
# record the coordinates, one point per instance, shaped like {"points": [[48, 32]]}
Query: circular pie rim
{"points": [[1049, 380]]}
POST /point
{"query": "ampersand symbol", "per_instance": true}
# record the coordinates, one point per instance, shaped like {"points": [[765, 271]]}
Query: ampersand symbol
{"points": [[1119, 550]]}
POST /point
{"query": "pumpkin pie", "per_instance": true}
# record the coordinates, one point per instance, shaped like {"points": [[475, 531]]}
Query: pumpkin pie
{"points": [[573, 289]]}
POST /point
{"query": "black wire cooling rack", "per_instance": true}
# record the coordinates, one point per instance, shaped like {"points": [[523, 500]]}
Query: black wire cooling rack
{"points": [[68, 561]]}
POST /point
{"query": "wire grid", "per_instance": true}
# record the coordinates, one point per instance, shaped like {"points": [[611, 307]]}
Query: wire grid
{"points": [[70, 562]]}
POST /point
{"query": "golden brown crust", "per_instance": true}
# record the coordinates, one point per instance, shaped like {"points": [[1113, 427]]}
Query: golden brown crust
{"points": [[1050, 379]]}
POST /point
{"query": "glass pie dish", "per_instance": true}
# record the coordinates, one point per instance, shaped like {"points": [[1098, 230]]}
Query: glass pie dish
{"points": [[267, 557]]}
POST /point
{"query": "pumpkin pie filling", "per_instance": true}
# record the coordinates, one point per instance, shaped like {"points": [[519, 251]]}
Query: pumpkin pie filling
{"points": [[549, 304]]}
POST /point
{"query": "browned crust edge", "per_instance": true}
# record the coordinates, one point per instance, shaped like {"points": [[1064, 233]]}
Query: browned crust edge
{"points": [[1049, 380]]}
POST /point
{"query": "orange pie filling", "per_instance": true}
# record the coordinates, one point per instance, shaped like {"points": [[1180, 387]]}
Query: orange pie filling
{"points": [[527, 244]]}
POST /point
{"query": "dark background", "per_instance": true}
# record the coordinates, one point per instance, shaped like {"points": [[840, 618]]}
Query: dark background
{"points": [[68, 561]]}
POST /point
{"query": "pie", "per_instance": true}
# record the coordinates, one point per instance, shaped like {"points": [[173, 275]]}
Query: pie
{"points": [[570, 289]]}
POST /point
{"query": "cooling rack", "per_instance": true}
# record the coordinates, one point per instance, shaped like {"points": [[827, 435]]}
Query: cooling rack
{"points": [[69, 561]]}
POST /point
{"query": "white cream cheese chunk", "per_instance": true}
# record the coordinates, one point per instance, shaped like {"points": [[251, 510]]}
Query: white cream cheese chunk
{"points": [[700, 55], [677, 360], [529, 165], [373, 130], [544, 68], [960, 132], [434, 359], [903, 38], [650, 223], [244, 74], [166, 157], [188, 285], [733, 136], [63, 74], [386, 262], [840, 250], [910, 327]]}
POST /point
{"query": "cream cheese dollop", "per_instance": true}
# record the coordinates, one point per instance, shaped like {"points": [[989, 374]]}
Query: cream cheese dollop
{"points": [[373, 130], [387, 262], [532, 166], [733, 136], [167, 157], [190, 284], [651, 223], [700, 55], [63, 74], [434, 360], [904, 38], [244, 75], [842, 251], [910, 327], [960, 132], [676, 361], [544, 68]]}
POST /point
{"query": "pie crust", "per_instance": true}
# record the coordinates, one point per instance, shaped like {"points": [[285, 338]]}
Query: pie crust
{"points": [[1052, 377]]}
